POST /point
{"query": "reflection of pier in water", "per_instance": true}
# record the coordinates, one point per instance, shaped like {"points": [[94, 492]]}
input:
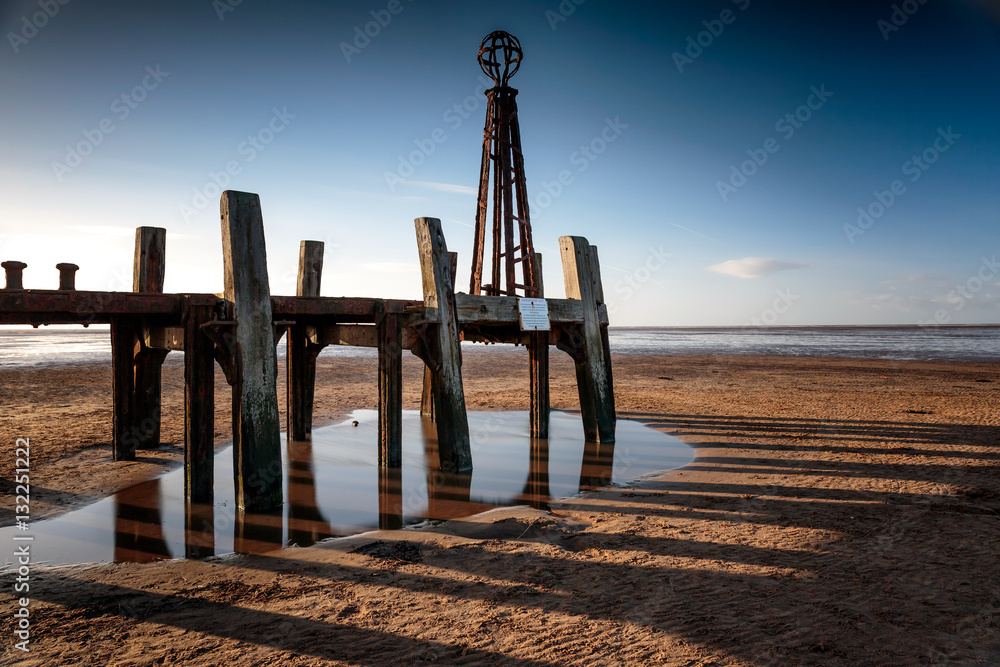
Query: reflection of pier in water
{"points": [[139, 525], [334, 487], [138, 521]]}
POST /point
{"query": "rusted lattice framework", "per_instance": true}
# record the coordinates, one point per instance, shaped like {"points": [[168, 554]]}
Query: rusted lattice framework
{"points": [[500, 56]]}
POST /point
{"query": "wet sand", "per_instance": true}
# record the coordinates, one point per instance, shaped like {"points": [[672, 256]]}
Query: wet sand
{"points": [[838, 512]]}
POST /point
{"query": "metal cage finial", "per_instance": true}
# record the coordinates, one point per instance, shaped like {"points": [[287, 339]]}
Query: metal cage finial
{"points": [[500, 56]]}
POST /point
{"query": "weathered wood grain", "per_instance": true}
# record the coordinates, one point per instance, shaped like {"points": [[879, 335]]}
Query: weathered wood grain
{"points": [[124, 341], [148, 269], [427, 390], [301, 376], [256, 434], [538, 369], [439, 299], [390, 392], [593, 372], [199, 405]]}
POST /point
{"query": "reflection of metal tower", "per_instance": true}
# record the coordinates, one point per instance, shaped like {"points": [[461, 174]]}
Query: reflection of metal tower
{"points": [[500, 56]]}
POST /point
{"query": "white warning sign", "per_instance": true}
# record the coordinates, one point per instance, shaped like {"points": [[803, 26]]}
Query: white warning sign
{"points": [[534, 314]]}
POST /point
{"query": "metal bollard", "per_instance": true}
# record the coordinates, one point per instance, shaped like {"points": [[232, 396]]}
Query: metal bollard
{"points": [[14, 270], [67, 276]]}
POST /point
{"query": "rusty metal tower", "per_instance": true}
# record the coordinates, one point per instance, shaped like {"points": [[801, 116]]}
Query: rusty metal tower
{"points": [[513, 266]]}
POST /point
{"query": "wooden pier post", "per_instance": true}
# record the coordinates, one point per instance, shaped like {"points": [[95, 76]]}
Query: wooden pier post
{"points": [[445, 352], [301, 375], [256, 431], [427, 395], [538, 368], [427, 392], [390, 391], [149, 262], [147, 277], [124, 341], [593, 365], [598, 285], [199, 403]]}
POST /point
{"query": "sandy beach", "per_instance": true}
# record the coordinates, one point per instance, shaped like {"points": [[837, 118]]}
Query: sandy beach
{"points": [[838, 512]]}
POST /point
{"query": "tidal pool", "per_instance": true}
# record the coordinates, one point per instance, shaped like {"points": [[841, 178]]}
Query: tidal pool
{"points": [[334, 487]]}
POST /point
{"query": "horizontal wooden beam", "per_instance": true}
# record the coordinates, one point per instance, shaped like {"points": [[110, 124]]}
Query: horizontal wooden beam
{"points": [[82, 307], [476, 309], [164, 338], [357, 335], [359, 309]]}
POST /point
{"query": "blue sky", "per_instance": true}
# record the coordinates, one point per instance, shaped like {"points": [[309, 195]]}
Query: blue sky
{"points": [[717, 153]]}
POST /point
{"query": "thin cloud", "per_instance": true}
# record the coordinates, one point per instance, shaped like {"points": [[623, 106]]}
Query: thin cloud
{"points": [[688, 229], [445, 187], [917, 278], [459, 222], [754, 267]]}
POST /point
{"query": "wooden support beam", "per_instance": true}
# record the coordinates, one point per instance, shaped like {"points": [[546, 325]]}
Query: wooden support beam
{"points": [[301, 371], [149, 262], [332, 310], [199, 405], [124, 340], [148, 397], [493, 310], [538, 369], [82, 307], [355, 335], [300, 382], [310, 275], [427, 391], [164, 338], [147, 277], [444, 350], [390, 392], [597, 403], [573, 342], [256, 431], [595, 280]]}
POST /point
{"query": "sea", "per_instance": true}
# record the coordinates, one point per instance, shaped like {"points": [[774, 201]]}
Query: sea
{"points": [[24, 347]]}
